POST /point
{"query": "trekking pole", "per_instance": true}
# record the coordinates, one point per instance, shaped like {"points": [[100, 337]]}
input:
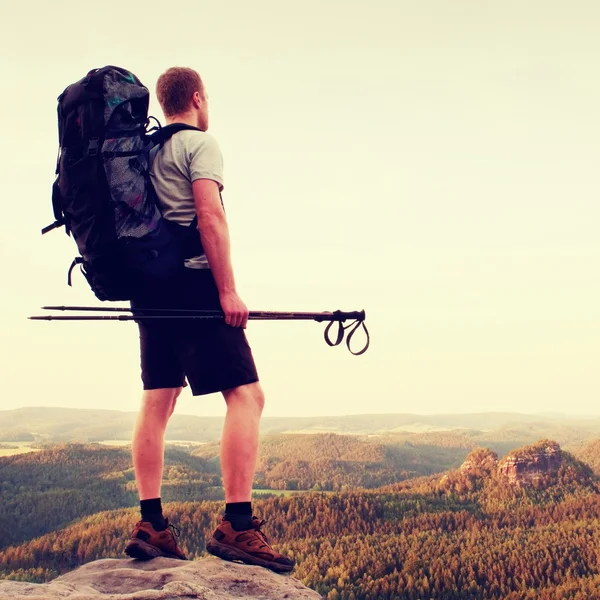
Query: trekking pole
{"points": [[139, 314]]}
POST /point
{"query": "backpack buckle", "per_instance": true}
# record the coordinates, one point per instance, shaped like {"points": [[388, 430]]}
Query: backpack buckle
{"points": [[93, 146], [76, 261]]}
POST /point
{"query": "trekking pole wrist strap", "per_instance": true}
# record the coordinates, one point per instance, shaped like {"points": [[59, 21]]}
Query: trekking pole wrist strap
{"points": [[342, 330]]}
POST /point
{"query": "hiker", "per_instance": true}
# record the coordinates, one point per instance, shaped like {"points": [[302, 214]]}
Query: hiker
{"points": [[213, 355]]}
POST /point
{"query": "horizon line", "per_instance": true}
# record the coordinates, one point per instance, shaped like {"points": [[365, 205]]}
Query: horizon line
{"points": [[548, 414]]}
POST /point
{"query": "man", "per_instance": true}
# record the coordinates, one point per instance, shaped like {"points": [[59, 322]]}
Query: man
{"points": [[213, 354]]}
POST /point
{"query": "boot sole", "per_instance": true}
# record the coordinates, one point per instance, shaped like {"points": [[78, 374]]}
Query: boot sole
{"points": [[232, 554], [143, 551]]}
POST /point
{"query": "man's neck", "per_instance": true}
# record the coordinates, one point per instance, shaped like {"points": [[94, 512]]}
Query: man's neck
{"points": [[187, 118]]}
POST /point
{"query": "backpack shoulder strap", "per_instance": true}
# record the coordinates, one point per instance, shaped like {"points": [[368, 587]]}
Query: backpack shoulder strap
{"points": [[159, 137], [157, 140]]}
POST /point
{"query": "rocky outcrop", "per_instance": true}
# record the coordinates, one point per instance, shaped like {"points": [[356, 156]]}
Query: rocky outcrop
{"points": [[162, 579], [480, 459], [527, 466], [478, 468], [540, 467]]}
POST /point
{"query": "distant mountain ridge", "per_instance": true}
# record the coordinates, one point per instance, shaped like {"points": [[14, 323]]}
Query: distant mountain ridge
{"points": [[500, 430]]}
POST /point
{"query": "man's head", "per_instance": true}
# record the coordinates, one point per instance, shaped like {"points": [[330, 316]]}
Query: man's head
{"points": [[181, 95]]}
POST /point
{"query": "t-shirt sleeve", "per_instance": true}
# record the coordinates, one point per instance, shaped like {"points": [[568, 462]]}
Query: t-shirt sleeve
{"points": [[205, 158]]}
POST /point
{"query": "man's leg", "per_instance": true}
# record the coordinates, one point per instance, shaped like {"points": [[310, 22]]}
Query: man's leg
{"points": [[151, 536], [239, 535], [148, 440], [239, 441]]}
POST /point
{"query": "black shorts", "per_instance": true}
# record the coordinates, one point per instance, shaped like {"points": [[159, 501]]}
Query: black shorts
{"points": [[210, 354]]}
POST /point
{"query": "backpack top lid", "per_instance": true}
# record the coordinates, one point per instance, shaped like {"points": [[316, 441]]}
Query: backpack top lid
{"points": [[121, 86], [110, 85]]}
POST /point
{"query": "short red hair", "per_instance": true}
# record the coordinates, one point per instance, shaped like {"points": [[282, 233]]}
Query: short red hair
{"points": [[175, 88]]}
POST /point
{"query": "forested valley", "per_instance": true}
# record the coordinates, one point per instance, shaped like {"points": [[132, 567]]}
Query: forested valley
{"points": [[46, 490], [523, 527]]}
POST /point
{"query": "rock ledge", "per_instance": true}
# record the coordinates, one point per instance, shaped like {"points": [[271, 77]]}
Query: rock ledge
{"points": [[162, 579]]}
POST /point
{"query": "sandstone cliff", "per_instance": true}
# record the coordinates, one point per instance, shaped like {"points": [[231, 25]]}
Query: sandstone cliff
{"points": [[529, 465], [162, 579]]}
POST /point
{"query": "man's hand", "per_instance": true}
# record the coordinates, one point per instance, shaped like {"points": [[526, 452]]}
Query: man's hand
{"points": [[236, 313]]}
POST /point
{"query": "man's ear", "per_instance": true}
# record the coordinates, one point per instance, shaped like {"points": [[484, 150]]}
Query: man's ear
{"points": [[197, 100]]}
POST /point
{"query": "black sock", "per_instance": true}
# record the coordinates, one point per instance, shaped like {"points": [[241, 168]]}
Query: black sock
{"points": [[152, 512], [239, 514]]}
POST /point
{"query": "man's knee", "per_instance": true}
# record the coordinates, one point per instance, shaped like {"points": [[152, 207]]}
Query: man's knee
{"points": [[251, 393], [161, 401], [175, 396], [259, 396]]}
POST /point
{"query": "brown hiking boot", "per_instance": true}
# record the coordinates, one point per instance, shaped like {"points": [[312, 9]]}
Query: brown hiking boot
{"points": [[146, 543], [250, 546]]}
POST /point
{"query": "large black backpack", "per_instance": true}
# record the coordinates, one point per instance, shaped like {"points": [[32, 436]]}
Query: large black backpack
{"points": [[102, 193]]}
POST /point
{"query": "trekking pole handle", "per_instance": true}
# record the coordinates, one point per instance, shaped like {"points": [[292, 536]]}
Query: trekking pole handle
{"points": [[339, 315]]}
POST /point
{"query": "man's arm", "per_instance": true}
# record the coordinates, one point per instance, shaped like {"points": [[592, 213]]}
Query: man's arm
{"points": [[214, 234]]}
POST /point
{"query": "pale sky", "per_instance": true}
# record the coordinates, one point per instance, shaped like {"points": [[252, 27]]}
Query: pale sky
{"points": [[433, 162]]}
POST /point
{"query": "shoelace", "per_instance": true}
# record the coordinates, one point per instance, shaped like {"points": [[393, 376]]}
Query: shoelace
{"points": [[261, 533], [174, 530]]}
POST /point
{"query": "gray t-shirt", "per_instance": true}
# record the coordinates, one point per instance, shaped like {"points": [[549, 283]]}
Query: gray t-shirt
{"points": [[188, 155]]}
